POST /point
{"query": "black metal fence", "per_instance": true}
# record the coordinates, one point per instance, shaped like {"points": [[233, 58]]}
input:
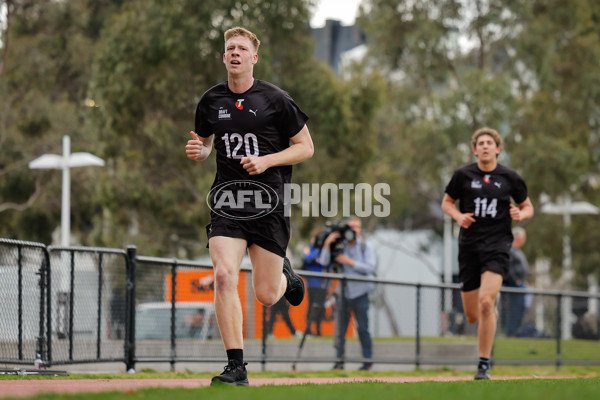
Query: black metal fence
{"points": [[86, 305]]}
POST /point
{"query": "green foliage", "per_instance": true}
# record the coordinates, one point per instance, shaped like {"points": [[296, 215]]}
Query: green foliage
{"points": [[123, 78], [40, 88]]}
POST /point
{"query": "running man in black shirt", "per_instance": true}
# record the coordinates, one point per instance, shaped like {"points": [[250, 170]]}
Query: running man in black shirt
{"points": [[250, 123], [484, 191]]}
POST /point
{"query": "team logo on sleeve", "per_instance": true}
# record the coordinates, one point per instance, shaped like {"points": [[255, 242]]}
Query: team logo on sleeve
{"points": [[238, 104]]}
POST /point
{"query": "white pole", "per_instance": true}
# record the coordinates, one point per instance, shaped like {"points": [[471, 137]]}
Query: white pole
{"points": [[65, 219], [542, 281], [592, 289], [66, 162], [567, 304]]}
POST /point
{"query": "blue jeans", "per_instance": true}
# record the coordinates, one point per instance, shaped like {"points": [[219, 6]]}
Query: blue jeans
{"points": [[514, 312], [360, 307]]}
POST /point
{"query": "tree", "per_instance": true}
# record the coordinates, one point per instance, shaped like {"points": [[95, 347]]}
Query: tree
{"points": [[123, 78], [557, 127], [437, 96], [41, 98], [528, 70]]}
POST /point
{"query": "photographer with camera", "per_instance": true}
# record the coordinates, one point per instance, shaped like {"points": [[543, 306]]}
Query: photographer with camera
{"points": [[345, 250], [316, 287]]}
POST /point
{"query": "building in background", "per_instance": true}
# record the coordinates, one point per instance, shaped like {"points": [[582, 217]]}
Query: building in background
{"points": [[335, 39]]}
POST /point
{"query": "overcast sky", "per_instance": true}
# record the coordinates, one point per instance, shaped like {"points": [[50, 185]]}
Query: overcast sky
{"points": [[342, 10]]}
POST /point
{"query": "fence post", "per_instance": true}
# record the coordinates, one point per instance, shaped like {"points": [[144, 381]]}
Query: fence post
{"points": [[340, 336], [99, 313], [71, 304], [20, 299], [48, 316], [40, 343], [130, 312], [263, 362], [558, 330], [173, 312], [418, 331]]}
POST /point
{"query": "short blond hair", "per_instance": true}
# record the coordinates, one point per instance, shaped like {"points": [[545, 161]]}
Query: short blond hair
{"points": [[486, 131], [239, 31]]}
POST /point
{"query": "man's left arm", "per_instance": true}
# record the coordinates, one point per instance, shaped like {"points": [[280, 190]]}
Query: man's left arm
{"points": [[521, 211], [368, 261], [301, 149]]}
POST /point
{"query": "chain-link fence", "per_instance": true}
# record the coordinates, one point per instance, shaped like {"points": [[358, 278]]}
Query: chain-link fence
{"points": [[23, 282], [88, 309], [530, 327], [82, 305]]}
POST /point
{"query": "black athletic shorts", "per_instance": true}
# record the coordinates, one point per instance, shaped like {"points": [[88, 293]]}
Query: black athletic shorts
{"points": [[471, 264], [271, 232]]}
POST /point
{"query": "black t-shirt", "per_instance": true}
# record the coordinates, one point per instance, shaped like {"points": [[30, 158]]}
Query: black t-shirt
{"points": [[487, 195], [258, 122]]}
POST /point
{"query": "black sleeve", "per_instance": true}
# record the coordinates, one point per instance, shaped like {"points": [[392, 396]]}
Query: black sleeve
{"points": [[453, 187], [202, 127], [291, 117], [519, 189]]}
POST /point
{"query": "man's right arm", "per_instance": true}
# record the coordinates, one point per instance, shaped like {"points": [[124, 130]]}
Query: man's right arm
{"points": [[198, 148], [325, 256], [464, 220]]}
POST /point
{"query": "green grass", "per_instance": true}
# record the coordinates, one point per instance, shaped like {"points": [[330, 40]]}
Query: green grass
{"points": [[529, 349], [547, 389], [545, 349]]}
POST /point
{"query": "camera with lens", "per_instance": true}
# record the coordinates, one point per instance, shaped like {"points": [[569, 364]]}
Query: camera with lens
{"points": [[337, 247]]}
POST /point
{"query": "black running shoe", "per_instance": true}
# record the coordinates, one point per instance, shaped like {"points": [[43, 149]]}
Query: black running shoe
{"points": [[295, 285], [234, 374], [366, 366], [483, 372]]}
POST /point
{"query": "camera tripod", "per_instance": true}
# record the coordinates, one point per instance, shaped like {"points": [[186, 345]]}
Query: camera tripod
{"points": [[312, 308]]}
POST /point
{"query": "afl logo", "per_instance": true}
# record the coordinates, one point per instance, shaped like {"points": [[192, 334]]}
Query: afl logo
{"points": [[486, 178], [243, 200], [238, 104]]}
